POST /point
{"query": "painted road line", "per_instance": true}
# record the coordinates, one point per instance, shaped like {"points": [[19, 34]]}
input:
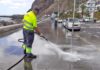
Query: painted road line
{"points": [[89, 33], [90, 43], [91, 27], [85, 40], [97, 36], [84, 31], [98, 32]]}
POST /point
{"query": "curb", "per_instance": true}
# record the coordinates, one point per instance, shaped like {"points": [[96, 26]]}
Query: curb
{"points": [[10, 27]]}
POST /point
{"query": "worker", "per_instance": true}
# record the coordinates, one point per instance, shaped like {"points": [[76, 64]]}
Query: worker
{"points": [[54, 20], [29, 26], [53, 16]]}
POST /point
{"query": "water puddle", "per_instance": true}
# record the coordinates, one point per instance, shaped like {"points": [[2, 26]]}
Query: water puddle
{"points": [[48, 47]]}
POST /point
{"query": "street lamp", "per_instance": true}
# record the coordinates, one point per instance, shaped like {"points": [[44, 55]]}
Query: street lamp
{"points": [[73, 22], [74, 9], [58, 9]]}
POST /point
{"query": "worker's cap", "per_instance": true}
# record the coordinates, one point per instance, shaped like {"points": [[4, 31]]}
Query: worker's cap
{"points": [[34, 9], [37, 10], [29, 10]]}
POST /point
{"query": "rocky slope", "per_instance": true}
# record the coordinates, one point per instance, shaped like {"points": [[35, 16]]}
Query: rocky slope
{"points": [[42, 4], [48, 6]]}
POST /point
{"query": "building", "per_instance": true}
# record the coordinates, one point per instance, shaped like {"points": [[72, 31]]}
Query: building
{"points": [[98, 5], [91, 7]]}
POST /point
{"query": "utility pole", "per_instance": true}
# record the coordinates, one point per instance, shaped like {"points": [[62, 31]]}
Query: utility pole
{"points": [[58, 9], [74, 9], [73, 22]]}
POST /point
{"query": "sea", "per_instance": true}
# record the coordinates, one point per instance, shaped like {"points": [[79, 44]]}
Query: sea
{"points": [[5, 19]]}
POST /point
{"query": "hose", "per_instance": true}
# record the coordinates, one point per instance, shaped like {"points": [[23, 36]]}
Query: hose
{"points": [[19, 40], [16, 63]]}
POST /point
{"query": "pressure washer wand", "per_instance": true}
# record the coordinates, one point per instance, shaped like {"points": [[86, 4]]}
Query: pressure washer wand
{"points": [[45, 38]]}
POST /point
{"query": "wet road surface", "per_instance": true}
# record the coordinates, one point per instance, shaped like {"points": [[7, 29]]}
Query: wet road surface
{"points": [[85, 42]]}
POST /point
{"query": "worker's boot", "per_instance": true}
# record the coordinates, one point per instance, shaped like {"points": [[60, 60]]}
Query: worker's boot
{"points": [[24, 51], [30, 55]]}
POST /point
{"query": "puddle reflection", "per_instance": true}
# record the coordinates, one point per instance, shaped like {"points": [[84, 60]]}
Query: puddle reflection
{"points": [[14, 50], [27, 64], [10, 44]]}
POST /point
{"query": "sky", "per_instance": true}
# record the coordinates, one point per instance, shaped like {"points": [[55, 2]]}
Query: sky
{"points": [[10, 7]]}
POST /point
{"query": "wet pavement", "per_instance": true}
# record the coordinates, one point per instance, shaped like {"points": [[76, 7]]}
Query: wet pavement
{"points": [[84, 42]]}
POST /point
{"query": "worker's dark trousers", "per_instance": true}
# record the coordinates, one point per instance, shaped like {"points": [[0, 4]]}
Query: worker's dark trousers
{"points": [[55, 24], [28, 37]]}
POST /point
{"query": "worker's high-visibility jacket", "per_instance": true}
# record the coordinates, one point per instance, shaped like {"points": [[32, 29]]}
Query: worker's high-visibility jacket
{"points": [[29, 21]]}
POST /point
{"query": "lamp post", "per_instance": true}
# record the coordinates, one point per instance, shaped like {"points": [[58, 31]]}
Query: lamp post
{"points": [[74, 9], [58, 9]]}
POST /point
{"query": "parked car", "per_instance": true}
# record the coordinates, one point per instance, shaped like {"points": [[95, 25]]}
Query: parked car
{"points": [[86, 19], [47, 15], [72, 24], [89, 19], [59, 20]]}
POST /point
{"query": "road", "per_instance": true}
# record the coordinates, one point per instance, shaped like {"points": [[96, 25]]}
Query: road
{"points": [[85, 42]]}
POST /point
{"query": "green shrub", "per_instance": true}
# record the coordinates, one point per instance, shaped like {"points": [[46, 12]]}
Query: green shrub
{"points": [[69, 14], [97, 15]]}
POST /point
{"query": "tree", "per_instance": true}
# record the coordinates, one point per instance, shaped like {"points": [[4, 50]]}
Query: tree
{"points": [[83, 7], [87, 13], [98, 8]]}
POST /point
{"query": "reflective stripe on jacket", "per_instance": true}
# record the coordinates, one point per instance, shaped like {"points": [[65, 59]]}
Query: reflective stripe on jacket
{"points": [[29, 21], [27, 49]]}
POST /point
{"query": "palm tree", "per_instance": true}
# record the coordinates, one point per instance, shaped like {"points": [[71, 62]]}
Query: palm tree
{"points": [[83, 7]]}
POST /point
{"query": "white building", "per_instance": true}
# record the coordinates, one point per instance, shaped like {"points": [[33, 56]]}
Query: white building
{"points": [[98, 4], [91, 7]]}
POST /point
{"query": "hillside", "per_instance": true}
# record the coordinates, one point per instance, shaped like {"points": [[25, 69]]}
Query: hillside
{"points": [[49, 6]]}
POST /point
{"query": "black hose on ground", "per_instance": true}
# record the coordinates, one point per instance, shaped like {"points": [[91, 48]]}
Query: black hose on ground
{"points": [[16, 63], [19, 40]]}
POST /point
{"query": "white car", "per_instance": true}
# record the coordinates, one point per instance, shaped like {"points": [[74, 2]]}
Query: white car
{"points": [[89, 19], [59, 20], [86, 19], [72, 24]]}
